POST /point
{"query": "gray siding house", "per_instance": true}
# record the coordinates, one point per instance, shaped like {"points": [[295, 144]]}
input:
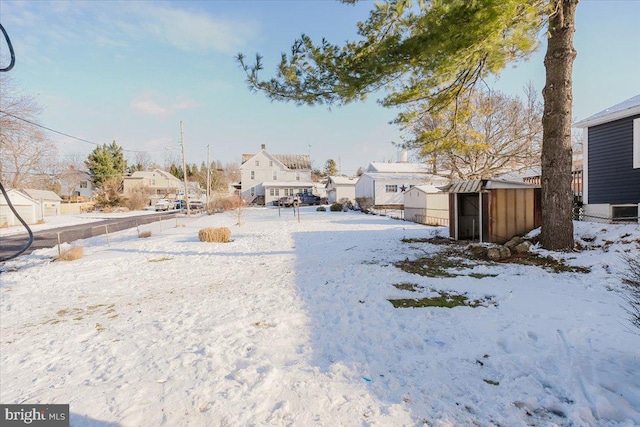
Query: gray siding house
{"points": [[612, 162]]}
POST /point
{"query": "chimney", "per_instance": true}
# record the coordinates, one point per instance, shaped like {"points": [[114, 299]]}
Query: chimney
{"points": [[403, 156], [263, 146]]}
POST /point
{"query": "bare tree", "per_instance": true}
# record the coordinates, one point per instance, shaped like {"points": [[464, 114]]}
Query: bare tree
{"points": [[486, 135], [23, 146]]}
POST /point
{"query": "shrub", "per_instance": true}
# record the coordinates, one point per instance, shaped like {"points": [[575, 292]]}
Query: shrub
{"points": [[632, 278], [321, 209], [71, 254], [346, 202], [218, 235], [335, 207], [144, 234], [365, 203], [221, 204], [138, 199]]}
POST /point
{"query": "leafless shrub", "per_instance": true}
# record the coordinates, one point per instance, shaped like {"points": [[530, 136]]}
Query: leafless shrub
{"points": [[144, 234], [364, 203], [217, 235], [137, 199], [71, 254], [631, 277]]}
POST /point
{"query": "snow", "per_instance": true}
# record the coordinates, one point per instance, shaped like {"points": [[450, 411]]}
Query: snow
{"points": [[290, 324]]}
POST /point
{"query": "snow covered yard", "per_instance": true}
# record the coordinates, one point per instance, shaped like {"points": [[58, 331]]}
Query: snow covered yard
{"points": [[290, 324]]}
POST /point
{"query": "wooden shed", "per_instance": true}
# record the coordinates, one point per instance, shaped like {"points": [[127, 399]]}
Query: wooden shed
{"points": [[491, 210]]}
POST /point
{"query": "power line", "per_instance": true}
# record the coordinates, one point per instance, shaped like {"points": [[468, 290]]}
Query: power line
{"points": [[67, 135]]}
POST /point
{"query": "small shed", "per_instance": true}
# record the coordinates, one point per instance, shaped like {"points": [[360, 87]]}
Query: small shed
{"points": [[426, 204], [26, 207], [49, 202], [492, 210]]}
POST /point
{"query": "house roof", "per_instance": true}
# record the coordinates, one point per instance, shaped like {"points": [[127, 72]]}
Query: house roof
{"points": [[42, 195], [403, 176], [291, 161], [344, 180], [477, 185], [398, 167], [18, 198], [627, 108], [426, 189]]}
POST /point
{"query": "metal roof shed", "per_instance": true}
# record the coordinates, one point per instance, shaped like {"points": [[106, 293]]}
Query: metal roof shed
{"points": [[491, 210]]}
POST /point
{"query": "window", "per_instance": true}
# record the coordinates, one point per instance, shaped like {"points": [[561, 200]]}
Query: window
{"points": [[297, 176], [270, 162], [277, 191], [636, 144], [275, 175], [257, 162], [252, 191], [391, 188], [272, 191], [625, 213], [84, 184], [253, 174]]}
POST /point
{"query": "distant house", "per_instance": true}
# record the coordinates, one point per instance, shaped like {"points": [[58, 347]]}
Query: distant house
{"points": [[26, 207], [341, 187], [426, 204], [385, 183], [48, 202], [611, 152], [266, 177], [158, 183]]}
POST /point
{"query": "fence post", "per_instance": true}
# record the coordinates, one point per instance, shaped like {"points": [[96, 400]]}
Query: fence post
{"points": [[59, 244]]}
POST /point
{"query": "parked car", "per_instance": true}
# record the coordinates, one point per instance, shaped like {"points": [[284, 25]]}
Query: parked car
{"points": [[163, 205], [309, 199], [288, 201]]}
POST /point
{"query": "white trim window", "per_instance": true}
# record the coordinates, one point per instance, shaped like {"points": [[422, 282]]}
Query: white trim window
{"points": [[253, 174], [275, 175], [391, 188], [636, 143]]}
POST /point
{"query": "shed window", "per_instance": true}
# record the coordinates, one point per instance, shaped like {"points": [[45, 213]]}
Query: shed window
{"points": [[391, 188]]}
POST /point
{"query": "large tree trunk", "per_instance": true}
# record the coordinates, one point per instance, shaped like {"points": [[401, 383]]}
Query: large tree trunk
{"points": [[557, 195]]}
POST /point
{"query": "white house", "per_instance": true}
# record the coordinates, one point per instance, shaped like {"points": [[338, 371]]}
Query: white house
{"points": [[266, 177], [341, 187], [48, 202], [385, 183], [26, 207], [158, 183], [426, 204]]}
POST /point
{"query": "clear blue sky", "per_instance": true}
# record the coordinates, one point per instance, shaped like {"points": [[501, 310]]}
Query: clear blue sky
{"points": [[131, 71]]}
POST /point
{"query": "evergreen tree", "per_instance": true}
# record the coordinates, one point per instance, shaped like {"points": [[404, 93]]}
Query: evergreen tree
{"points": [[106, 162], [430, 53]]}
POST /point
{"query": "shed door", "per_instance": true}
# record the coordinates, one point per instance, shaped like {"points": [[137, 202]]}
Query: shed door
{"points": [[468, 216]]}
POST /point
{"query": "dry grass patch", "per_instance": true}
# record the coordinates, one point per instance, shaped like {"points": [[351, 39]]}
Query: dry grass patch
{"points": [[144, 234], [217, 235], [71, 254]]}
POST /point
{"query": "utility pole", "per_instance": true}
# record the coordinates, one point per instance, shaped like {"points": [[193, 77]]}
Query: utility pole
{"points": [[184, 171], [208, 177]]}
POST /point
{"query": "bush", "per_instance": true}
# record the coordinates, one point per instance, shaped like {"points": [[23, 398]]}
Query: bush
{"points": [[335, 207], [321, 209], [632, 278], [221, 204], [364, 203], [144, 234], [217, 235], [71, 254], [138, 199], [346, 202]]}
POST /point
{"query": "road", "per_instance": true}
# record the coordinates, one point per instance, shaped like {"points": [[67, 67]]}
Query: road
{"points": [[49, 238]]}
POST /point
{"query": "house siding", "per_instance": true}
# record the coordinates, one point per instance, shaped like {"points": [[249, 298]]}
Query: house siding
{"points": [[612, 178]]}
